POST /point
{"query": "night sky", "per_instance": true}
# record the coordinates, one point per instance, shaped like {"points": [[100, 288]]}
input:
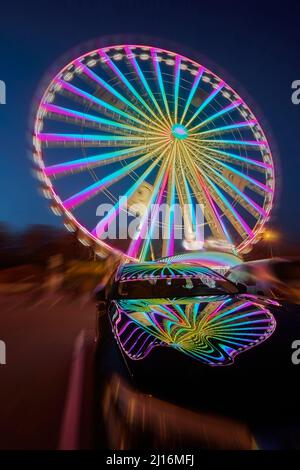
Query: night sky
{"points": [[254, 42]]}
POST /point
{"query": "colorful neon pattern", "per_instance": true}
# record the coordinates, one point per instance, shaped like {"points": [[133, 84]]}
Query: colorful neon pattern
{"points": [[160, 270], [213, 259], [120, 117], [211, 330]]}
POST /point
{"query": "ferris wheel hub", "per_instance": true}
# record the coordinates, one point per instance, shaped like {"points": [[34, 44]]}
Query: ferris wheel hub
{"points": [[179, 131]]}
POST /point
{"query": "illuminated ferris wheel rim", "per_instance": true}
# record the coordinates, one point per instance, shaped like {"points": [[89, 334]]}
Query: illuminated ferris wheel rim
{"points": [[179, 132]]}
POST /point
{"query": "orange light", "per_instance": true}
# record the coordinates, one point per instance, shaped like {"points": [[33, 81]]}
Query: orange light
{"points": [[271, 235]]}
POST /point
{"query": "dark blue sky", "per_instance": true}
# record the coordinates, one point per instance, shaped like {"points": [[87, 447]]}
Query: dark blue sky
{"points": [[255, 42]]}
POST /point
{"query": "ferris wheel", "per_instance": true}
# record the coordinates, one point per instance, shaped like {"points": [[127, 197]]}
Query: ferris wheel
{"points": [[130, 128]]}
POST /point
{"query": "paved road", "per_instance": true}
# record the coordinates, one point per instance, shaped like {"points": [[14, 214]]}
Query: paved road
{"points": [[39, 332]]}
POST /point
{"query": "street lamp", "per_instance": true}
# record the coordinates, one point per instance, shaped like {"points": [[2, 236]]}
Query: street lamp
{"points": [[271, 236]]}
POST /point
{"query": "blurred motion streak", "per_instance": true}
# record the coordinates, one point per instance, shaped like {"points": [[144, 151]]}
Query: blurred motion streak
{"points": [[45, 260], [136, 420]]}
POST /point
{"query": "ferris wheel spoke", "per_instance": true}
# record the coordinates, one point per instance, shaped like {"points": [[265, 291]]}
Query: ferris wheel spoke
{"points": [[190, 219], [186, 203], [94, 161], [154, 214], [105, 182], [237, 159], [168, 238], [210, 97], [147, 242], [138, 70], [211, 212], [237, 221], [232, 106], [223, 129], [160, 82], [92, 140], [100, 82], [74, 92], [253, 183], [245, 201], [236, 197], [115, 210], [192, 93], [85, 119], [126, 82], [255, 144], [155, 196], [176, 85], [246, 198]]}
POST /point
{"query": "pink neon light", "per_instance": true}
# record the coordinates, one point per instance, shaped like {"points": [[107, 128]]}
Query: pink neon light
{"points": [[137, 243]]}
